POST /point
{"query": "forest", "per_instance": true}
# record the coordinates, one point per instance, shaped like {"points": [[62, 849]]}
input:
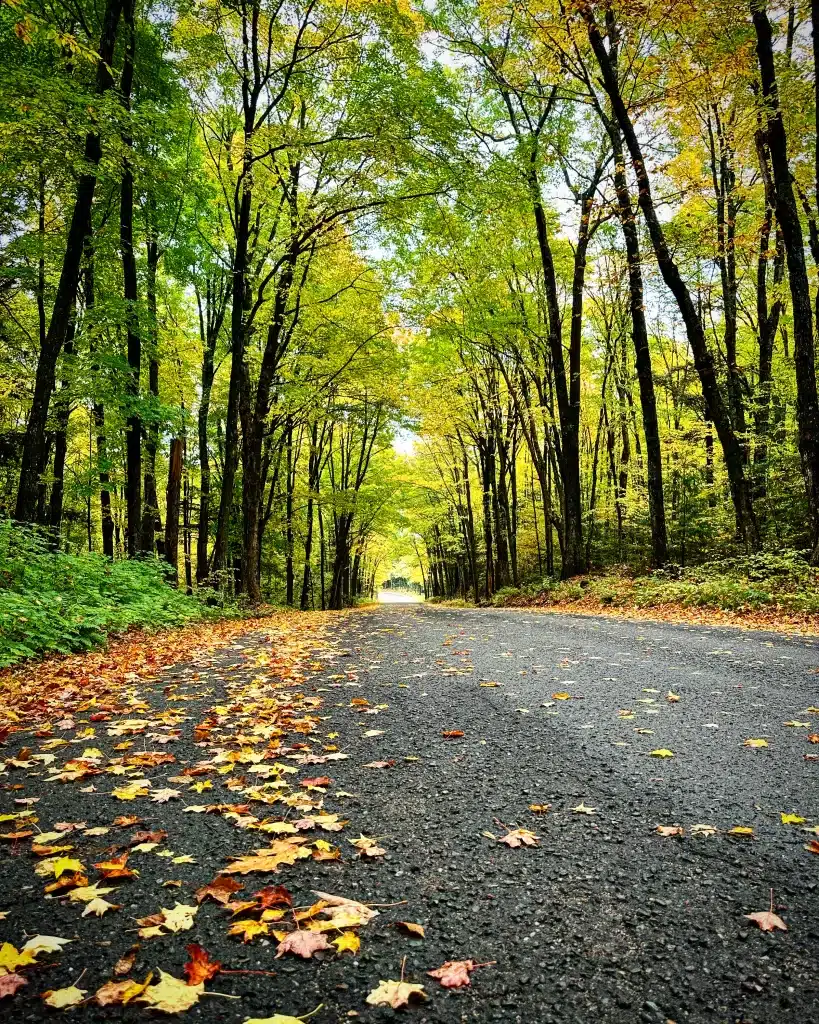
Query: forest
{"points": [[489, 293]]}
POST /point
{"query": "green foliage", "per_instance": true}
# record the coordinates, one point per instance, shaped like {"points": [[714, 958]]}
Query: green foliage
{"points": [[767, 580], [51, 601]]}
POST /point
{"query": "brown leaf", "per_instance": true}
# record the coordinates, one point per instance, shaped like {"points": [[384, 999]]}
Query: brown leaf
{"points": [[303, 944], [413, 929], [767, 920], [125, 963], [670, 830], [148, 837], [379, 764], [10, 983], [200, 967], [454, 973], [452, 734], [220, 889], [319, 780], [115, 868], [273, 896], [519, 837]]}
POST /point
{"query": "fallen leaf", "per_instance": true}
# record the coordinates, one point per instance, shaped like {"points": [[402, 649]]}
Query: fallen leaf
{"points": [[200, 967], [395, 994], [62, 998], [220, 889], [703, 830], [519, 837], [662, 752], [45, 944], [379, 764], [740, 830], [11, 959], [349, 942], [755, 743], [791, 819], [302, 943], [672, 698], [538, 809], [99, 906], [767, 920], [248, 929], [670, 830], [120, 993], [162, 796], [454, 973], [284, 854], [583, 809], [452, 734], [561, 695], [10, 983], [411, 928], [171, 995]]}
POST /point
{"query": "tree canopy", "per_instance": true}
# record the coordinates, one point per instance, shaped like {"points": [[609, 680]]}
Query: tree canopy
{"points": [[296, 294]]}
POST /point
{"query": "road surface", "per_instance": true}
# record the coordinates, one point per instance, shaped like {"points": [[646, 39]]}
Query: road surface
{"points": [[603, 920]]}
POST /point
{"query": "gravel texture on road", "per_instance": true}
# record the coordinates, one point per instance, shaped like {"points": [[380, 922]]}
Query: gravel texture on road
{"points": [[604, 920]]}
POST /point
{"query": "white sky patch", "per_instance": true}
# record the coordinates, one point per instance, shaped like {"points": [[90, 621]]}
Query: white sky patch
{"points": [[404, 442]]}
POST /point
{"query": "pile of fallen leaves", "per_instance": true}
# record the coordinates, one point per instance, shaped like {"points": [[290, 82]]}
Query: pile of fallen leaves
{"points": [[108, 725]]}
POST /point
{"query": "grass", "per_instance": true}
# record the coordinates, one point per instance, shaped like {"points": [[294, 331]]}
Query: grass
{"points": [[53, 601], [776, 582]]}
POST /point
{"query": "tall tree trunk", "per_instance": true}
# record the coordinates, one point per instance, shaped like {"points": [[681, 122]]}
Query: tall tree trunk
{"points": [[187, 503], [288, 532], [55, 512], [133, 439], [172, 495], [787, 213], [695, 333], [151, 521], [238, 341], [34, 442], [642, 354], [98, 414], [211, 317]]}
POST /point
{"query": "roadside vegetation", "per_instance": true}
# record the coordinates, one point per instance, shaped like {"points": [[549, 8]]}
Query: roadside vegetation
{"points": [[56, 601]]}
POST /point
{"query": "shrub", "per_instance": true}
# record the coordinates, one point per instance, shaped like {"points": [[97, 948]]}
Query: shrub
{"points": [[55, 601]]}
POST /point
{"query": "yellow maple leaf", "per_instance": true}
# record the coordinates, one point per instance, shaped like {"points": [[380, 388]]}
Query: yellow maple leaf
{"points": [[662, 752], [347, 941], [755, 743], [61, 998], [248, 929], [11, 959], [171, 995], [792, 819]]}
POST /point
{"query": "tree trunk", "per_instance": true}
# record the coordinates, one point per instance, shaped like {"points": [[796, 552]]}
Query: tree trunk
{"points": [[34, 442], [55, 512], [172, 494], [642, 355], [703, 360], [151, 521], [133, 439]]}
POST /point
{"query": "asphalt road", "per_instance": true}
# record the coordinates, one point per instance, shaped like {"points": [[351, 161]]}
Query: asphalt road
{"points": [[604, 920]]}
